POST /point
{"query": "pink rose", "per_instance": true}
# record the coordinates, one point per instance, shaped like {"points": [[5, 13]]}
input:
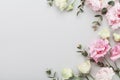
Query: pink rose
{"points": [[99, 48], [115, 52], [105, 74], [95, 5], [113, 16]]}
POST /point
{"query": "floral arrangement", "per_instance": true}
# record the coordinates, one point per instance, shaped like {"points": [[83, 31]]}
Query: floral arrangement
{"points": [[103, 52]]}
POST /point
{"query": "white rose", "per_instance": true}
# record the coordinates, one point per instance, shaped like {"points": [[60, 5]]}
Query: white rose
{"points": [[67, 73], [61, 4], [116, 36], [104, 33], [85, 67], [104, 73]]}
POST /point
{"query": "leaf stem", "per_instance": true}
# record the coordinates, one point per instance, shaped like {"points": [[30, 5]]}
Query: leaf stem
{"points": [[113, 67], [116, 65], [91, 76], [118, 75], [108, 63], [87, 78], [117, 69]]}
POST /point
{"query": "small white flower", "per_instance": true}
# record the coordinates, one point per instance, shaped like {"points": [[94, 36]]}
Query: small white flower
{"points": [[85, 67], [104, 33], [67, 73], [116, 36], [61, 4], [105, 73]]}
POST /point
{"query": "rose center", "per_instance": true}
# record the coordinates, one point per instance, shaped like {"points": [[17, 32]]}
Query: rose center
{"points": [[118, 15]]}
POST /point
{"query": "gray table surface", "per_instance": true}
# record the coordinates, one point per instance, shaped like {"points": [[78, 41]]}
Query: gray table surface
{"points": [[34, 37]]}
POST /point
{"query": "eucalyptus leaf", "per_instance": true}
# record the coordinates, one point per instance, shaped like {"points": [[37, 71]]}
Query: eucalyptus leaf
{"points": [[112, 3], [48, 72], [100, 64], [104, 11], [99, 16], [85, 53], [81, 7], [50, 2], [79, 46]]}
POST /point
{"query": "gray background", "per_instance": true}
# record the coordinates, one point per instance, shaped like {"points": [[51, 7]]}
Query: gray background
{"points": [[34, 37]]}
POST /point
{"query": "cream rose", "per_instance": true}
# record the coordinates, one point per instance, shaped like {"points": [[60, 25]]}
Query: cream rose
{"points": [[116, 37], [67, 73], [104, 33], [61, 4], [85, 67]]}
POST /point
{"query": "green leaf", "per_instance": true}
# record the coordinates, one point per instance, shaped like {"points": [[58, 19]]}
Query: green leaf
{"points": [[50, 2], [78, 13], [117, 71], [100, 16], [79, 51], [48, 72], [100, 64], [79, 46], [79, 6], [97, 15], [112, 3], [81, 10], [54, 74], [92, 60], [85, 53], [96, 22], [104, 11]]}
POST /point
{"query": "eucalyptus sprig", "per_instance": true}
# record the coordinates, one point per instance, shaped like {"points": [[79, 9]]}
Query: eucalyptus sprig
{"points": [[85, 54], [97, 23], [81, 7], [51, 74], [82, 51], [100, 64]]}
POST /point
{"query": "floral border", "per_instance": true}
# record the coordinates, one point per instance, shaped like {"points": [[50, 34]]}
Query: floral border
{"points": [[101, 52]]}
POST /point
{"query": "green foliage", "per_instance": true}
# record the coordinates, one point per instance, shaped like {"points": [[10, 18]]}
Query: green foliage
{"points": [[112, 3], [81, 7], [104, 11], [82, 51], [51, 74], [97, 23]]}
